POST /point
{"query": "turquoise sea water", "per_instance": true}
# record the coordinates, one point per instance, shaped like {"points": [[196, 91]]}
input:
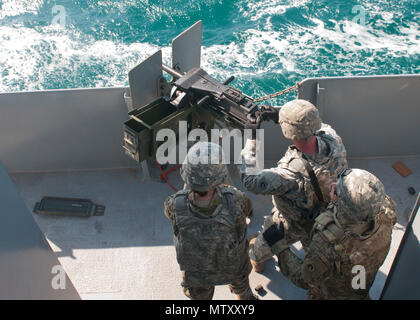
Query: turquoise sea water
{"points": [[267, 45]]}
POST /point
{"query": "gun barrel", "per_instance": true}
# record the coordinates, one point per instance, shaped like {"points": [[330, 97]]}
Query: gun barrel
{"points": [[171, 71], [228, 80]]}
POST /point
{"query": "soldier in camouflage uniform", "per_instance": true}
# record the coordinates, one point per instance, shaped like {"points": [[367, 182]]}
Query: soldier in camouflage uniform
{"points": [[355, 231], [209, 223], [297, 198]]}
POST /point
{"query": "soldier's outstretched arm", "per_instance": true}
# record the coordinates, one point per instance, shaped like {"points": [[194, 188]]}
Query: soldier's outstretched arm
{"points": [[266, 181]]}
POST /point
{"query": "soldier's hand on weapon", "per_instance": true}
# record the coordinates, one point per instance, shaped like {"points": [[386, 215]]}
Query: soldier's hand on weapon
{"points": [[253, 124], [269, 113]]}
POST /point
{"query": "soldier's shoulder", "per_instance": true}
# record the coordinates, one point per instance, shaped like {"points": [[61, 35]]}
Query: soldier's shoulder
{"points": [[389, 204], [292, 160], [240, 199], [329, 135], [291, 153], [169, 203], [326, 129], [335, 146], [228, 189], [172, 197], [169, 206], [388, 213]]}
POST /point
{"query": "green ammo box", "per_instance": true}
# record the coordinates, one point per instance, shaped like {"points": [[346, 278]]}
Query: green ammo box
{"points": [[141, 129]]}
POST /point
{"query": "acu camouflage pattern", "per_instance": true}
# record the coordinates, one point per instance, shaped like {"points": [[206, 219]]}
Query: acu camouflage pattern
{"points": [[211, 243], [294, 197], [238, 287], [326, 164], [335, 249], [299, 119], [359, 194], [203, 168]]}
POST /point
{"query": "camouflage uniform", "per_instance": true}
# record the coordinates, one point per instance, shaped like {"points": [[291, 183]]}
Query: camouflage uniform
{"points": [[294, 197], [210, 237], [338, 244]]}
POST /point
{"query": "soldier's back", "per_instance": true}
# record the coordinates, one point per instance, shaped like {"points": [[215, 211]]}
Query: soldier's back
{"points": [[210, 240], [346, 263]]}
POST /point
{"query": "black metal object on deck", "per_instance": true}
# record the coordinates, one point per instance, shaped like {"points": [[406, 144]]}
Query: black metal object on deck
{"points": [[68, 207]]}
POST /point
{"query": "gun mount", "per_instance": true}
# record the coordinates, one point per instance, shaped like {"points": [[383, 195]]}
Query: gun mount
{"points": [[192, 95]]}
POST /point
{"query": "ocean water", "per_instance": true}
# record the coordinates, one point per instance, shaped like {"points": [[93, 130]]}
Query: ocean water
{"points": [[268, 45]]}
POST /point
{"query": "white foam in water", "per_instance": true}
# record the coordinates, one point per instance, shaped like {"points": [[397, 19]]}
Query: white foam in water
{"points": [[259, 9], [31, 58], [297, 50], [357, 36], [28, 58], [16, 7], [247, 58]]}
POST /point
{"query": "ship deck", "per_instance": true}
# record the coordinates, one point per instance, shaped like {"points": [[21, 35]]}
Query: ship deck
{"points": [[128, 253]]}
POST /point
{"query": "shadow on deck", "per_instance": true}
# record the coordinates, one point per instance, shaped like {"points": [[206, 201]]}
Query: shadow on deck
{"points": [[128, 253]]}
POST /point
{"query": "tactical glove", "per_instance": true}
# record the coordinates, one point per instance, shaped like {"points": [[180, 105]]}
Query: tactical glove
{"points": [[273, 236], [270, 113], [253, 126]]}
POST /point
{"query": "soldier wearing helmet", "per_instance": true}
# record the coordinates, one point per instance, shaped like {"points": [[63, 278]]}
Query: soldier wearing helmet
{"points": [[349, 241], [209, 223], [300, 182]]}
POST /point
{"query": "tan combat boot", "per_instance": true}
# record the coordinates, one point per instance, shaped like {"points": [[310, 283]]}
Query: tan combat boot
{"points": [[258, 266]]}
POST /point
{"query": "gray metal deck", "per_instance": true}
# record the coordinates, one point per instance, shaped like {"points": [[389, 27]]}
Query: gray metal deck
{"points": [[128, 253], [67, 143]]}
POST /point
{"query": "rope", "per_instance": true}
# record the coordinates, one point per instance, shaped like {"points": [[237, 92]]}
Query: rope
{"points": [[163, 175], [173, 169], [279, 93]]}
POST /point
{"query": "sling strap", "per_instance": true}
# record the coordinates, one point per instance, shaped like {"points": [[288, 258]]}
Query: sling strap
{"points": [[314, 179]]}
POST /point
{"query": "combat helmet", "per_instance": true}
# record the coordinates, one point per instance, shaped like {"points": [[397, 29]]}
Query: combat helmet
{"points": [[203, 168], [299, 119], [360, 195]]}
